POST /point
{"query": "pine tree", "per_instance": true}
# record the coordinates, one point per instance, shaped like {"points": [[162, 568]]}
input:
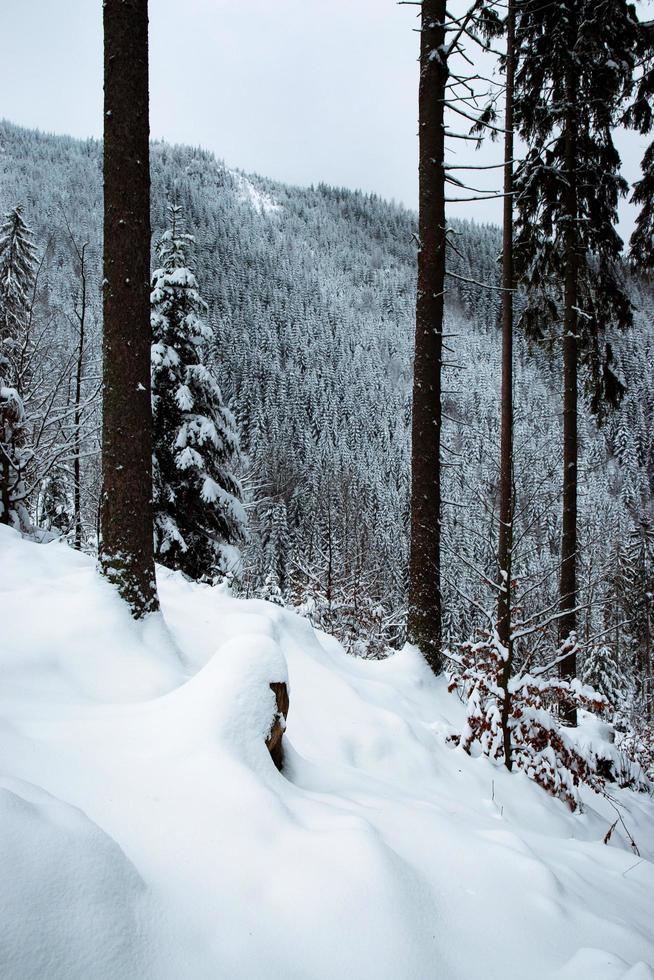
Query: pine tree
{"points": [[126, 505], [641, 245], [17, 270], [56, 510], [576, 61], [641, 117], [276, 542], [17, 275], [641, 558], [197, 497], [602, 672], [619, 580]]}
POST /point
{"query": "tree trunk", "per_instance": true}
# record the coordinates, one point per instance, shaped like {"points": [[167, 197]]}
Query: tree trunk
{"points": [[127, 528], [568, 577], [274, 742], [4, 488], [77, 476], [505, 542], [425, 612]]}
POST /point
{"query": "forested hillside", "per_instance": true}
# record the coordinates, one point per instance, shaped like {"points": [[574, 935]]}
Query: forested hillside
{"points": [[311, 297]]}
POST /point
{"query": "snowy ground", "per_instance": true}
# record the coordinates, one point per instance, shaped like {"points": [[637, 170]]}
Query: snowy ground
{"points": [[259, 200], [144, 832]]}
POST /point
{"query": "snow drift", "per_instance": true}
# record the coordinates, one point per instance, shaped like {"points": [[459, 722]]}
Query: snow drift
{"points": [[145, 832]]}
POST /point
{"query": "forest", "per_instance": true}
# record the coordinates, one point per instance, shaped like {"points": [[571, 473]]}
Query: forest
{"points": [[401, 464]]}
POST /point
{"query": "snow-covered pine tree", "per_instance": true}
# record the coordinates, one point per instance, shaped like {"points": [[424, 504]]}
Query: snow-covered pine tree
{"points": [[17, 273], [568, 188], [602, 672], [641, 557], [276, 544], [198, 514], [55, 507], [17, 270]]}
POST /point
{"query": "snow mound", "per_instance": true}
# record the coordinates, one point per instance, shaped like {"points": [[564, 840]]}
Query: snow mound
{"points": [[65, 918], [381, 853], [246, 191]]}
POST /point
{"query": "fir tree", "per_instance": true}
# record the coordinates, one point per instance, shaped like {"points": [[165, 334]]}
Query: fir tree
{"points": [[276, 544], [641, 117], [17, 275], [602, 672], [642, 239], [576, 61], [17, 270], [197, 497], [55, 509], [641, 557]]}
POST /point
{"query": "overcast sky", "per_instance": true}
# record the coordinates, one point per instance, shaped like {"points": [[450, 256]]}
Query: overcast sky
{"points": [[300, 90]]}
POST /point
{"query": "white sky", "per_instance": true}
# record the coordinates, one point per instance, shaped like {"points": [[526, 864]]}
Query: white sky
{"points": [[300, 90]]}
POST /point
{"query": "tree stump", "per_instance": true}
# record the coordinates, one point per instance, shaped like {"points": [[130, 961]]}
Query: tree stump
{"points": [[274, 740]]}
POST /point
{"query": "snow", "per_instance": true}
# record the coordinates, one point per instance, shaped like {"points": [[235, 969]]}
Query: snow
{"points": [[246, 191], [145, 832], [94, 906]]}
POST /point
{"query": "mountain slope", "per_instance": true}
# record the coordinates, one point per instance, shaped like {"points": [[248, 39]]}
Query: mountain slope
{"points": [[311, 296]]}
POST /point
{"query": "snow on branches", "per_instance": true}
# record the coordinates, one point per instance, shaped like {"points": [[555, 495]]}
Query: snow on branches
{"points": [[528, 713], [17, 273], [199, 516]]}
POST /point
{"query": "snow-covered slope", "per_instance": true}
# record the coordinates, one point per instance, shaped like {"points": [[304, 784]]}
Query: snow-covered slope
{"points": [[259, 200], [145, 833]]}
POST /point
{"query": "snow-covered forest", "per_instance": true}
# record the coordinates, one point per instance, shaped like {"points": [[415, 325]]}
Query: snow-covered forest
{"points": [[310, 297], [327, 536]]}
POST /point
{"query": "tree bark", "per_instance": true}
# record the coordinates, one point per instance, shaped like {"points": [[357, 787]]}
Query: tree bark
{"points": [[4, 481], [505, 540], [568, 575], [77, 475], [425, 607], [127, 527], [274, 742]]}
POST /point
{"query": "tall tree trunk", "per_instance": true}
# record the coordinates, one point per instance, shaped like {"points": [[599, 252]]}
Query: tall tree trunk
{"points": [[77, 475], [568, 576], [505, 542], [127, 528], [424, 619]]}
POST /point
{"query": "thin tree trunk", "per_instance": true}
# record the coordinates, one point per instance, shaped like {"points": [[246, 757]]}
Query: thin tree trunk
{"points": [[647, 666], [127, 526], [505, 542], [425, 611], [77, 509], [4, 487], [568, 577]]}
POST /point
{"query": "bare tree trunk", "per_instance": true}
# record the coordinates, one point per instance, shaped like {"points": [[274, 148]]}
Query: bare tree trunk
{"points": [[127, 527], [425, 608], [568, 577], [505, 541], [77, 508], [647, 666], [4, 487]]}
